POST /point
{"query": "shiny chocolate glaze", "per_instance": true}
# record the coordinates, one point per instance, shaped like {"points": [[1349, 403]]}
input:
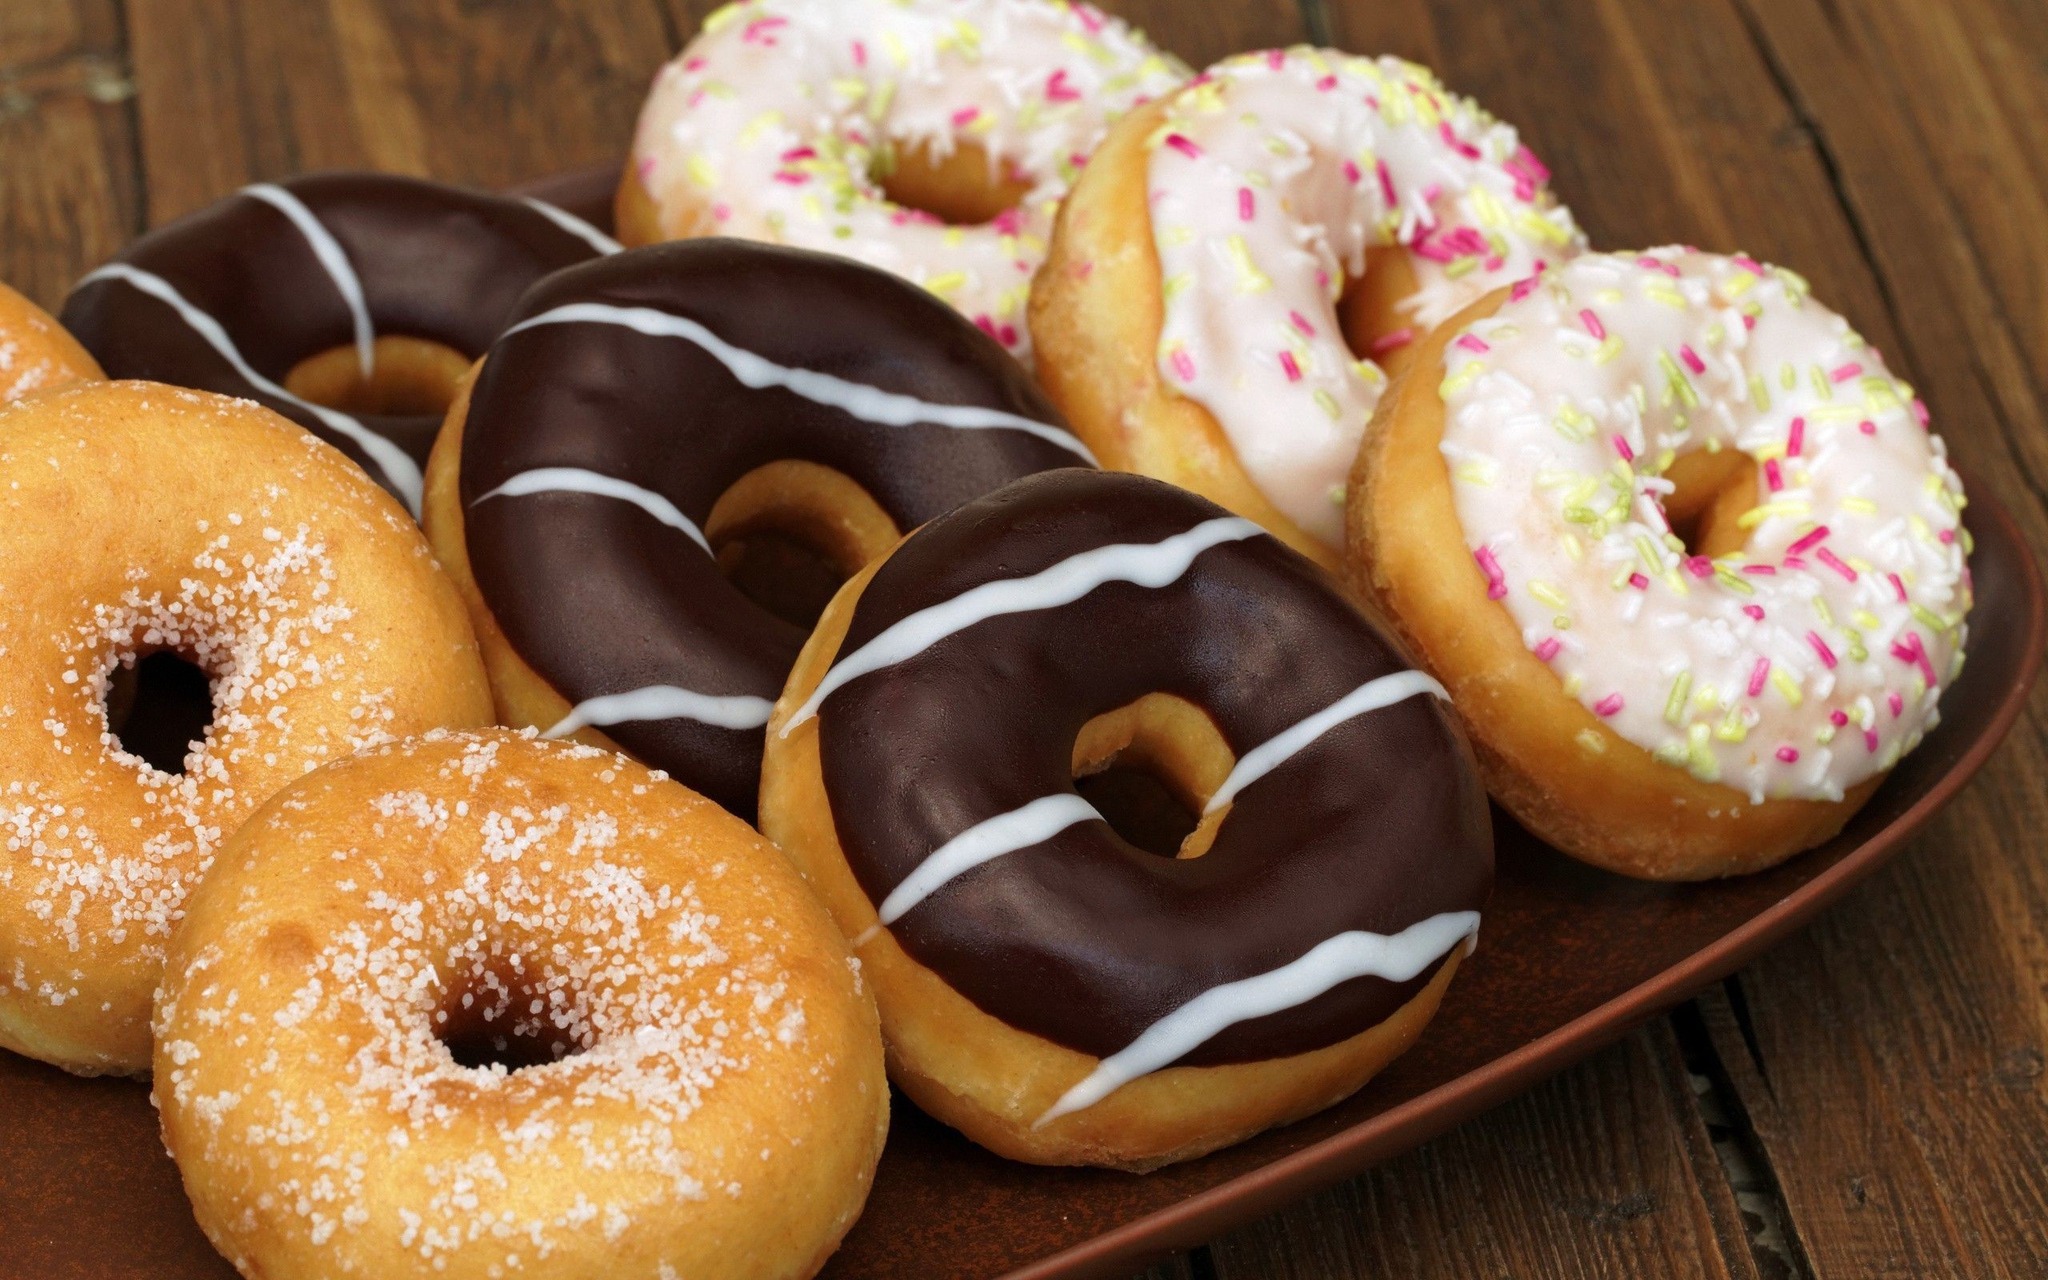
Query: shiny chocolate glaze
{"points": [[434, 261], [599, 596], [1085, 939]]}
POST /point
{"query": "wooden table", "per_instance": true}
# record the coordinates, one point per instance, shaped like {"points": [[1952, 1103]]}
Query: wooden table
{"points": [[1869, 1100]]}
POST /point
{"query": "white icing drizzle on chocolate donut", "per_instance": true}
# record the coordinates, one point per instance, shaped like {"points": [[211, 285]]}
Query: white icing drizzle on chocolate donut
{"points": [[582, 480], [1020, 828], [665, 702], [1276, 751], [1356, 954], [333, 260], [575, 226], [400, 472], [1148, 564], [869, 404]]}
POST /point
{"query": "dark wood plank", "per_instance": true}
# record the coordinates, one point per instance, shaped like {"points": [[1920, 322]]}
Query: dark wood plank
{"points": [[69, 193], [1606, 1170], [482, 94]]}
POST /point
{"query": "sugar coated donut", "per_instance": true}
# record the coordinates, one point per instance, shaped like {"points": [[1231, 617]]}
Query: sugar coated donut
{"points": [[1238, 262], [647, 416], [1683, 550], [349, 303], [481, 1006], [1056, 992], [36, 354], [136, 519], [864, 127]]}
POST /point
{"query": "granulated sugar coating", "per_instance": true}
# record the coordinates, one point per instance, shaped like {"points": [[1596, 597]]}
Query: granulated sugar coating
{"points": [[376, 954], [134, 519]]}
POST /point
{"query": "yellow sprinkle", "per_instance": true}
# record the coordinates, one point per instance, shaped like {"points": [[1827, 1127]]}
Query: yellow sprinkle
{"points": [[1704, 766], [1756, 515], [1249, 278], [1732, 728], [1759, 393], [1653, 559], [1861, 506], [1549, 595], [947, 282], [718, 19], [1608, 349], [1742, 283], [1175, 285], [701, 171], [1787, 686], [1475, 472], [1328, 404], [1821, 386], [1591, 741], [1674, 702]]}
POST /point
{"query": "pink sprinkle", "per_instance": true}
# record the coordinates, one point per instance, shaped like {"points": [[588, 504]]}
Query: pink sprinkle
{"points": [[1691, 358], [1391, 341], [1352, 173], [1845, 372], [722, 211], [860, 54], [1288, 363], [1185, 145], [1524, 287], [1755, 611], [1896, 703], [965, 116], [1007, 335], [1748, 264], [1757, 675], [1699, 566], [760, 30], [1639, 582], [1867, 427], [1246, 205], [1838, 717], [1526, 161], [1774, 475], [1090, 17], [1911, 650], [1184, 366], [1920, 414], [1790, 755], [1593, 325], [1548, 649], [1898, 586], [1795, 439], [1870, 739], [1276, 58], [1496, 581], [1609, 705], [1820, 647], [1946, 536], [1326, 84], [1795, 563], [1760, 570], [1058, 90], [1473, 343], [1386, 182], [1657, 264], [645, 166], [1748, 320], [1301, 324], [1621, 447], [694, 64], [1833, 561], [795, 154], [1810, 540], [787, 178], [1455, 143]]}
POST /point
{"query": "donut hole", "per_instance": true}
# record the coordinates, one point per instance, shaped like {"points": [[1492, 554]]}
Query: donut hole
{"points": [[1372, 311], [1710, 492], [159, 707], [962, 188], [409, 377], [502, 1018], [1149, 767], [788, 534]]}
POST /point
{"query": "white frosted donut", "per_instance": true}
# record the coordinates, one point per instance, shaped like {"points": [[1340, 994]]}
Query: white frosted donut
{"points": [[776, 120], [1796, 666], [1270, 178]]}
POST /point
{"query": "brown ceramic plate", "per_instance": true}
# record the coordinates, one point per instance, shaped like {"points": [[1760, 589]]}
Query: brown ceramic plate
{"points": [[1570, 959]]}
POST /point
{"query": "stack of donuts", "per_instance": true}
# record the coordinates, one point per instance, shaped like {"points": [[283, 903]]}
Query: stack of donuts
{"points": [[660, 695]]}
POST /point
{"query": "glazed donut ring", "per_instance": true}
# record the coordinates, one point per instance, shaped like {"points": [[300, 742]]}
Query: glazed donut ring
{"points": [[350, 303], [648, 412], [210, 527], [1055, 992], [1236, 262], [36, 354], [697, 1086], [863, 127], [1669, 706]]}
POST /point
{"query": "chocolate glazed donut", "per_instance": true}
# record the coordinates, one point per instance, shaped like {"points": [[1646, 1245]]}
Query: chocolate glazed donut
{"points": [[1351, 845], [631, 394], [234, 297]]}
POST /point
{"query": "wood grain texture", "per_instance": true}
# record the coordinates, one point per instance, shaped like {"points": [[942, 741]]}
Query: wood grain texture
{"points": [[482, 94], [69, 188], [1606, 1170]]}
